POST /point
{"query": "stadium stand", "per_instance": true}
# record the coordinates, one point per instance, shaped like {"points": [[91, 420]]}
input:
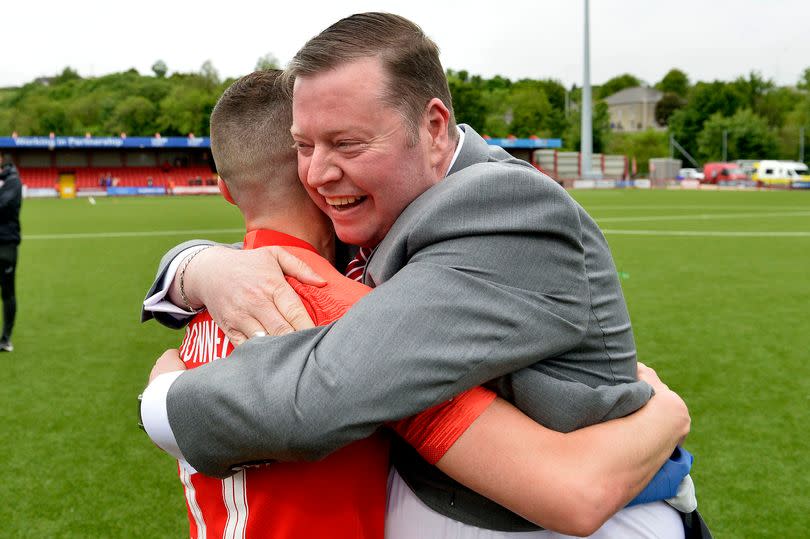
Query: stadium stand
{"points": [[91, 177]]}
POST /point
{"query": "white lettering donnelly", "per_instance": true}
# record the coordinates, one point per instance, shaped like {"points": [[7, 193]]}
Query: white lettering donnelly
{"points": [[204, 342]]}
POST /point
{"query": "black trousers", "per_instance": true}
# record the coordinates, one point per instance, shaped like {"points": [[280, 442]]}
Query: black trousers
{"points": [[8, 271]]}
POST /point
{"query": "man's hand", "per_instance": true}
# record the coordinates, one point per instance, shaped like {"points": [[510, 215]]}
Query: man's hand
{"points": [[668, 400], [246, 292], [169, 362]]}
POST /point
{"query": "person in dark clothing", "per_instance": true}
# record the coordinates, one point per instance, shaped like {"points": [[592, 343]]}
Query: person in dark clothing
{"points": [[10, 202]]}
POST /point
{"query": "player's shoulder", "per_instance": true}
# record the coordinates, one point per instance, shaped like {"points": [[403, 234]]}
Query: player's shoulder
{"points": [[327, 303]]}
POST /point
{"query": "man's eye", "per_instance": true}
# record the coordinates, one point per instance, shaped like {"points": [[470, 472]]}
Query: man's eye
{"points": [[348, 144], [302, 147]]}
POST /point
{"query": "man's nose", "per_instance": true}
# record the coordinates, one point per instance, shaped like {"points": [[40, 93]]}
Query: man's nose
{"points": [[322, 169]]}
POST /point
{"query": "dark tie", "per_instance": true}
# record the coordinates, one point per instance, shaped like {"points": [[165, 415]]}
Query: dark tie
{"points": [[356, 267]]}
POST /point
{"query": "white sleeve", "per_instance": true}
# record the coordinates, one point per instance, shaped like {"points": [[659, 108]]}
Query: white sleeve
{"points": [[159, 302], [154, 416]]}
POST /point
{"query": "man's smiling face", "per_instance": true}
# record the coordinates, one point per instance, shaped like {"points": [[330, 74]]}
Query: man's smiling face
{"points": [[353, 151]]}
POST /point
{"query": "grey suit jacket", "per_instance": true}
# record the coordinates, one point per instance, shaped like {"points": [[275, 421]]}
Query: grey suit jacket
{"points": [[495, 274]]}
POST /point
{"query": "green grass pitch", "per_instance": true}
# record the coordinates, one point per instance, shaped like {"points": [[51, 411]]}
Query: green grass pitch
{"points": [[716, 282]]}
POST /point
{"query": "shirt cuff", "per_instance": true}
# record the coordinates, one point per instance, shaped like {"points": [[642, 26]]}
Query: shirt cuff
{"points": [[159, 302], [155, 417]]}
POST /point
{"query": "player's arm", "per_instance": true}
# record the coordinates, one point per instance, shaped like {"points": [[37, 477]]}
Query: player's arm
{"points": [[574, 482]]}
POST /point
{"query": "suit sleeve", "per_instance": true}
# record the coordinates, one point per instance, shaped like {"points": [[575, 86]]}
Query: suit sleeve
{"points": [[166, 319], [482, 294]]}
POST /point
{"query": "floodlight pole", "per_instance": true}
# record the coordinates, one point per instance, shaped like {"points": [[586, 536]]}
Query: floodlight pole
{"points": [[801, 144], [725, 145], [586, 133]]}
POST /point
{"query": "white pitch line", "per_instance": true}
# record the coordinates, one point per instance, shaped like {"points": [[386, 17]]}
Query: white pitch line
{"points": [[709, 233], [145, 233], [702, 216]]}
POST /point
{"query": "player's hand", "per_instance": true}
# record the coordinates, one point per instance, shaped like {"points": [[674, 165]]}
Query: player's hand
{"points": [[169, 362], [672, 406], [246, 292]]}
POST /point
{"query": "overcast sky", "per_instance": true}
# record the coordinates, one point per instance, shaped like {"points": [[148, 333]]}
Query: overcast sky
{"points": [[708, 39]]}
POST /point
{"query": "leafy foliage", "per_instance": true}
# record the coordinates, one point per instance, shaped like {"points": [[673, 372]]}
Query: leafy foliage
{"points": [[267, 62], [616, 84], [642, 146], [107, 106], [748, 136], [160, 69], [180, 103], [675, 82], [670, 102]]}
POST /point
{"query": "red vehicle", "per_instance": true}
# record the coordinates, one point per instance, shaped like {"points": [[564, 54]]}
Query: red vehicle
{"points": [[723, 173]]}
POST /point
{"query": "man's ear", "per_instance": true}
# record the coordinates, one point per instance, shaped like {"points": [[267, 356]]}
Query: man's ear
{"points": [[223, 188], [437, 118]]}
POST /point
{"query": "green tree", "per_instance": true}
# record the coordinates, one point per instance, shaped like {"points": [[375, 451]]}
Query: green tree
{"points": [[468, 99], [616, 84], [496, 103], [135, 114], [789, 134], [675, 82], [705, 99], [601, 129], [160, 69], [266, 62], [209, 73], [804, 80], [669, 103], [529, 108], [776, 104], [642, 146], [186, 110], [67, 74], [752, 89], [89, 112], [748, 136]]}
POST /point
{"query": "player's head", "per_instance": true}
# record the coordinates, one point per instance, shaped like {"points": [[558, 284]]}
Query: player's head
{"points": [[372, 121], [252, 146]]}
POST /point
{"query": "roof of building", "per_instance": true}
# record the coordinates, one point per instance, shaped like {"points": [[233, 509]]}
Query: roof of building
{"points": [[631, 96]]}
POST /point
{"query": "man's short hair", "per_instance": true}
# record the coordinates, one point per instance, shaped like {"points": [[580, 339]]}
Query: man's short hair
{"points": [[250, 134], [409, 57]]}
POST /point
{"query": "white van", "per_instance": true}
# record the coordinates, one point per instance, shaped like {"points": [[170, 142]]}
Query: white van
{"points": [[778, 172], [800, 168]]}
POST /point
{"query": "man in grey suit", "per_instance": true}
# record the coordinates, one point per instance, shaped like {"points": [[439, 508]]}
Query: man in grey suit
{"points": [[484, 268]]}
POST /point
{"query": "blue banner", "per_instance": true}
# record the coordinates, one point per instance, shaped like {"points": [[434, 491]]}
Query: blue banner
{"points": [[133, 191], [103, 142], [204, 142], [525, 143]]}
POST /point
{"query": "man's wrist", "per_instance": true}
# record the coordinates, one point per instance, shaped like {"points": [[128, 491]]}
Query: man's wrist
{"points": [[154, 414], [188, 303]]}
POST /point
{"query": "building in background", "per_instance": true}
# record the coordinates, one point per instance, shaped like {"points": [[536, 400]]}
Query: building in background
{"points": [[633, 109]]}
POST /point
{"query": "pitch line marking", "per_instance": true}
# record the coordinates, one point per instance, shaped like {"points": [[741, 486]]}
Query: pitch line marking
{"points": [[709, 233], [145, 233], [702, 216]]}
